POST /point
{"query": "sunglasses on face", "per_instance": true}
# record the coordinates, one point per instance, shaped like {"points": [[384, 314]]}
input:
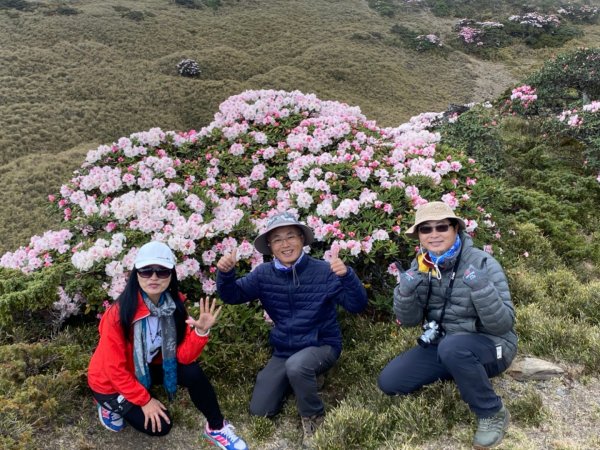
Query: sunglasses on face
{"points": [[441, 228], [146, 272]]}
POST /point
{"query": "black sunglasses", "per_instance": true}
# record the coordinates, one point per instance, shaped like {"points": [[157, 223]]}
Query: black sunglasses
{"points": [[146, 272], [442, 228]]}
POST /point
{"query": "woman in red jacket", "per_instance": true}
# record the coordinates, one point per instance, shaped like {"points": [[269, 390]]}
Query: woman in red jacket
{"points": [[147, 338]]}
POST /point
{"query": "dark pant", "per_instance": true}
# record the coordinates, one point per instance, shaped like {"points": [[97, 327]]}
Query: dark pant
{"points": [[468, 359], [190, 376], [298, 373]]}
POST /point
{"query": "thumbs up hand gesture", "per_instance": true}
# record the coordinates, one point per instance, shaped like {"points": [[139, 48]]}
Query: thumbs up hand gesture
{"points": [[228, 261], [409, 281], [337, 265]]}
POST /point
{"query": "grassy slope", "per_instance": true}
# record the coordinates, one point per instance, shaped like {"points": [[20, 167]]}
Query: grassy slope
{"points": [[96, 76]]}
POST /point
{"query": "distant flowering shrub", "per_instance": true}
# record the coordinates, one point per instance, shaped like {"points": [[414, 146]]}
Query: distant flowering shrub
{"points": [[583, 124], [579, 13], [536, 20], [207, 192], [188, 68], [480, 34], [427, 42]]}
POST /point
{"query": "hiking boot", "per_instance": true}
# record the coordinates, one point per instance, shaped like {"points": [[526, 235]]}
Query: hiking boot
{"points": [[309, 427], [225, 438], [490, 430], [110, 420]]}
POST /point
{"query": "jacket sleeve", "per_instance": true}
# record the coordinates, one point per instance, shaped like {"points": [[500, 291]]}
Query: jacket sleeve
{"points": [[191, 347], [114, 361], [352, 295], [238, 291], [408, 309], [493, 302]]}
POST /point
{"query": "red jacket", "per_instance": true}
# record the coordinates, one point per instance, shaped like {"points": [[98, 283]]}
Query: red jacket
{"points": [[111, 368]]}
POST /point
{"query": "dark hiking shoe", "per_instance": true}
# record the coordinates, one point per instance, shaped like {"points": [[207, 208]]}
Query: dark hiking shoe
{"points": [[309, 427], [490, 430]]}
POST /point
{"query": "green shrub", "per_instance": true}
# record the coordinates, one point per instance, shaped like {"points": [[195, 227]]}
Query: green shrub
{"points": [[558, 293], [476, 133], [527, 248], [214, 4], [41, 385], [527, 407], [386, 8], [136, 16], [420, 41], [21, 295], [558, 338], [194, 4], [20, 5], [568, 78]]}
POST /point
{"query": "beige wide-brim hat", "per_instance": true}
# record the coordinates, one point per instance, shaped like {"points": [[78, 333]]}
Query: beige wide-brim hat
{"points": [[277, 221], [433, 211]]}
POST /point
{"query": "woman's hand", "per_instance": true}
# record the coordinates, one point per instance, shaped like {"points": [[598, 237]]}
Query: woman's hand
{"points": [[209, 314], [153, 411]]}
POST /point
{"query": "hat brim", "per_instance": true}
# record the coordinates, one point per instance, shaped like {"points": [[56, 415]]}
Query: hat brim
{"points": [[154, 262], [262, 245], [413, 232]]}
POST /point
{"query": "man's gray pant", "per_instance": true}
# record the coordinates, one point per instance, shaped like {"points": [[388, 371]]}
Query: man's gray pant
{"points": [[298, 373]]}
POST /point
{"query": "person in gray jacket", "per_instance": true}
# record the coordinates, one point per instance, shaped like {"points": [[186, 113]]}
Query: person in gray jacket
{"points": [[460, 295]]}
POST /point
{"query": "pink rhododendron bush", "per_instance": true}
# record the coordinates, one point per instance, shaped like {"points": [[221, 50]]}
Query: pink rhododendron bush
{"points": [[208, 192]]}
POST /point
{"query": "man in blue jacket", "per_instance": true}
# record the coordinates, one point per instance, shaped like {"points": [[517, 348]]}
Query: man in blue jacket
{"points": [[300, 294]]}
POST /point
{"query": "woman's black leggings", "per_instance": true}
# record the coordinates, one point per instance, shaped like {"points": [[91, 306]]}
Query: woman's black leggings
{"points": [[201, 392]]}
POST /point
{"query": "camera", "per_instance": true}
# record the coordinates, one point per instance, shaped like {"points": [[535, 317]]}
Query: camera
{"points": [[432, 333]]}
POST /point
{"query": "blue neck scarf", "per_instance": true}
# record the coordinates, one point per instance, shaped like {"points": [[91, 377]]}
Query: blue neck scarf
{"points": [[450, 253]]}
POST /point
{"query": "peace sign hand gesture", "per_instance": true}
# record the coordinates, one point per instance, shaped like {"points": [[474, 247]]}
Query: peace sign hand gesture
{"points": [[209, 314]]}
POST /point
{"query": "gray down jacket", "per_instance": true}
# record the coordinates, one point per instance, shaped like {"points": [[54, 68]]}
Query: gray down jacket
{"points": [[488, 310]]}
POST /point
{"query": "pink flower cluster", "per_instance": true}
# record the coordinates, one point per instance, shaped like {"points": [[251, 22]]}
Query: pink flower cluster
{"points": [[38, 253], [525, 94], [206, 193], [572, 117], [470, 35]]}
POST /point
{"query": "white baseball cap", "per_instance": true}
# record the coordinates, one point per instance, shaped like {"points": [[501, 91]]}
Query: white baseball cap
{"points": [[155, 252]]}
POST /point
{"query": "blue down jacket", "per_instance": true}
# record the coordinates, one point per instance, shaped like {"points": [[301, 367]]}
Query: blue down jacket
{"points": [[301, 302], [488, 311]]}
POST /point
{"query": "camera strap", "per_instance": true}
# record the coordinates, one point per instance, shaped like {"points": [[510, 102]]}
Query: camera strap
{"points": [[447, 294]]}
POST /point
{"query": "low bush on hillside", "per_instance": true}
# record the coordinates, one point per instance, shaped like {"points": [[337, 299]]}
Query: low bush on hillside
{"points": [[419, 41], [40, 387], [19, 5]]}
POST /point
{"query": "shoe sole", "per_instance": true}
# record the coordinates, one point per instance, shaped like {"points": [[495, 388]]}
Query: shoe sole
{"points": [[496, 444], [213, 441], [106, 426]]}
